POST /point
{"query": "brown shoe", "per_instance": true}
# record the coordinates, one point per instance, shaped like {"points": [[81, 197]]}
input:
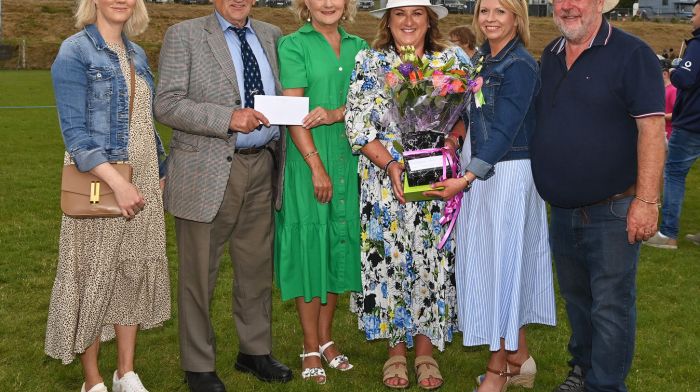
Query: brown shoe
{"points": [[395, 367], [427, 368]]}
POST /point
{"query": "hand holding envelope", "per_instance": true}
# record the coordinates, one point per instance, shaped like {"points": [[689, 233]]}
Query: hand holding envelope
{"points": [[283, 110]]}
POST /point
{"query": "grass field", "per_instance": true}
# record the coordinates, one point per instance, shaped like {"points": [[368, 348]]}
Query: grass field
{"points": [[32, 151]]}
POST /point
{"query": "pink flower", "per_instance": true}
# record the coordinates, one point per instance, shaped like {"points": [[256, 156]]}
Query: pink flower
{"points": [[439, 79], [391, 79]]}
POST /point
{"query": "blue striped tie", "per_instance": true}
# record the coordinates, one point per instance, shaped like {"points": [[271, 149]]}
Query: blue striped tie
{"points": [[252, 82]]}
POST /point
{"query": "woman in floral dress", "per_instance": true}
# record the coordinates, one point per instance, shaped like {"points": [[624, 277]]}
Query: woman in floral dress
{"points": [[408, 294]]}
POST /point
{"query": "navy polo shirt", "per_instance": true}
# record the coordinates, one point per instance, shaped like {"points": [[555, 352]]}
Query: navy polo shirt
{"points": [[584, 148]]}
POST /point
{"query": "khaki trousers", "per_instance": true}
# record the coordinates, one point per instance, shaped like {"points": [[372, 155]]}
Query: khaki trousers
{"points": [[245, 222]]}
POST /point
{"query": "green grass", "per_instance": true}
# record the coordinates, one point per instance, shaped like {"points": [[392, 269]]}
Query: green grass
{"points": [[31, 156]]}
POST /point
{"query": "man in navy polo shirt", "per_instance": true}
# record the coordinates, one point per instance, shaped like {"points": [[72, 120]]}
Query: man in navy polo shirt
{"points": [[684, 144], [597, 154]]}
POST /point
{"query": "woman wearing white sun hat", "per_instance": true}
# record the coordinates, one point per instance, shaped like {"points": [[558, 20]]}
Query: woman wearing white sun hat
{"points": [[408, 293]]}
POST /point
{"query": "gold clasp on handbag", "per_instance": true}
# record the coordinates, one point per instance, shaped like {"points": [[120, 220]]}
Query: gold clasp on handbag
{"points": [[94, 192]]}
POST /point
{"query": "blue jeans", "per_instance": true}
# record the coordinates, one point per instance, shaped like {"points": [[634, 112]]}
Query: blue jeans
{"points": [[683, 150], [596, 268]]}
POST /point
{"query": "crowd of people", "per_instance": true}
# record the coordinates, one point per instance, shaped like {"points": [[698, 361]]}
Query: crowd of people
{"points": [[319, 207]]}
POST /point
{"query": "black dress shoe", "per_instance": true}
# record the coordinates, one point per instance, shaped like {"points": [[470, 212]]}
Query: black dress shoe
{"points": [[204, 382], [264, 367]]}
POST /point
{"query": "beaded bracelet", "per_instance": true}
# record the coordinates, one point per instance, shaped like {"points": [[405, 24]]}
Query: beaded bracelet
{"points": [[386, 167], [310, 154], [646, 201]]}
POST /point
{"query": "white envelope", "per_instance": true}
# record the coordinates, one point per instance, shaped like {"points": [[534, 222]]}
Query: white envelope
{"points": [[282, 110]]}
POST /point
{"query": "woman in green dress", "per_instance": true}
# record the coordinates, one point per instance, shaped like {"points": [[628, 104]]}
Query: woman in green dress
{"points": [[317, 250]]}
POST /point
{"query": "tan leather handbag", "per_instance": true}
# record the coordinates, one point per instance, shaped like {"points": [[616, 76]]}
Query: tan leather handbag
{"points": [[84, 195]]}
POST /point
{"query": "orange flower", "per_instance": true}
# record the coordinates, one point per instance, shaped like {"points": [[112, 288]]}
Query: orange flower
{"points": [[458, 86]]}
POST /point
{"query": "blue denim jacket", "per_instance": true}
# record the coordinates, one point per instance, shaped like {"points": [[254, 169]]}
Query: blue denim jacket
{"points": [[92, 98], [500, 129]]}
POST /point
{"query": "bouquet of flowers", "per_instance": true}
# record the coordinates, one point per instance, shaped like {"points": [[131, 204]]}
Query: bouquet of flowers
{"points": [[428, 97]]}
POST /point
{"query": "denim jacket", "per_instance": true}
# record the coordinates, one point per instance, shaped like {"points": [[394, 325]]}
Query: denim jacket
{"points": [[92, 98], [500, 129]]}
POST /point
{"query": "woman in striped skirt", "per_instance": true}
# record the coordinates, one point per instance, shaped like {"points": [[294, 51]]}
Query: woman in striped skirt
{"points": [[503, 269]]}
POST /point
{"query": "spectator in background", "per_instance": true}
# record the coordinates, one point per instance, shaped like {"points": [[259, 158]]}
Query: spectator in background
{"points": [[670, 94], [684, 144], [463, 37]]}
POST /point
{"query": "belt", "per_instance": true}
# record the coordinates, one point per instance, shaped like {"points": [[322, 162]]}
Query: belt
{"points": [[249, 150], [631, 191]]}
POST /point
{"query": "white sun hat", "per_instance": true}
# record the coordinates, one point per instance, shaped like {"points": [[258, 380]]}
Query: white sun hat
{"points": [[438, 9]]}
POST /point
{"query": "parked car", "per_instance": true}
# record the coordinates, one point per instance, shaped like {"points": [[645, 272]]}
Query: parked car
{"points": [[192, 1], [365, 4], [454, 6], [279, 3]]}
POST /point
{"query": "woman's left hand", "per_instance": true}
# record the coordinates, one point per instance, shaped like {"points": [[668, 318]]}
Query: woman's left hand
{"points": [[319, 116], [452, 187]]}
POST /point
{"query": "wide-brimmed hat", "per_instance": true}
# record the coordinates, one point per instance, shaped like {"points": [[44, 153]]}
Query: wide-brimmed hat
{"points": [[438, 9], [608, 5]]}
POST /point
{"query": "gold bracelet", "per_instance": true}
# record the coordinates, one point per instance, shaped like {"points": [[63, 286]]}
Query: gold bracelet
{"points": [[646, 201], [310, 154], [469, 184]]}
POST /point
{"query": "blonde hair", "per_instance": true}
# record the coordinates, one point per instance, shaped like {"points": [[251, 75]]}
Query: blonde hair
{"points": [[302, 13], [434, 40], [518, 8], [86, 13]]}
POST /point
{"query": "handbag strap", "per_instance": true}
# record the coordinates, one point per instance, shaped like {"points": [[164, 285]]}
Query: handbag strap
{"points": [[133, 88]]}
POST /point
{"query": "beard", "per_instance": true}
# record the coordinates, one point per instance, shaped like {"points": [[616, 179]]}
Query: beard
{"points": [[578, 33]]}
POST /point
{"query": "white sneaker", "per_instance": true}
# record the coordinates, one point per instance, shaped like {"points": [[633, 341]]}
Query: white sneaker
{"points": [[97, 388], [659, 240], [130, 382]]}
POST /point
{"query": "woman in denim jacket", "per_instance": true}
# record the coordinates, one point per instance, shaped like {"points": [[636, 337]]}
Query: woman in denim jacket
{"points": [[112, 274], [504, 277]]}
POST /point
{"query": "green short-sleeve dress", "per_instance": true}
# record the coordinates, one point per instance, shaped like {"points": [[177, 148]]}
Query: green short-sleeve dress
{"points": [[317, 246]]}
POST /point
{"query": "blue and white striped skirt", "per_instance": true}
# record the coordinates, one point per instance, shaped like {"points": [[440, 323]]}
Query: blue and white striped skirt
{"points": [[503, 268]]}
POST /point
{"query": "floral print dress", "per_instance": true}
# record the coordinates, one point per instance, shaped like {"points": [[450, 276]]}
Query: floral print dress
{"points": [[408, 285]]}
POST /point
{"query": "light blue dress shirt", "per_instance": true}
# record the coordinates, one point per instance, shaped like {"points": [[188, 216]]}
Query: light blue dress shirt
{"points": [[261, 137]]}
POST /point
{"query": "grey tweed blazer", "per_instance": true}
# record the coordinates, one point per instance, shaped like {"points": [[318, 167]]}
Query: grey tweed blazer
{"points": [[196, 95]]}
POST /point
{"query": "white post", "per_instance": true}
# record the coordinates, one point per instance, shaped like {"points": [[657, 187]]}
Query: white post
{"points": [[24, 53]]}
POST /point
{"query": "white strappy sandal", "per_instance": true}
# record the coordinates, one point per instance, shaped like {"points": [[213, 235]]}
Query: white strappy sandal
{"points": [[314, 372], [338, 360]]}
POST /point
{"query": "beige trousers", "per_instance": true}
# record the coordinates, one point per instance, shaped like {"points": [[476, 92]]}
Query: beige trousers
{"points": [[245, 222]]}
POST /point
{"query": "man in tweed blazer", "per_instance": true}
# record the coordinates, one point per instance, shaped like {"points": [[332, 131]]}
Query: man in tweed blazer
{"points": [[224, 166]]}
